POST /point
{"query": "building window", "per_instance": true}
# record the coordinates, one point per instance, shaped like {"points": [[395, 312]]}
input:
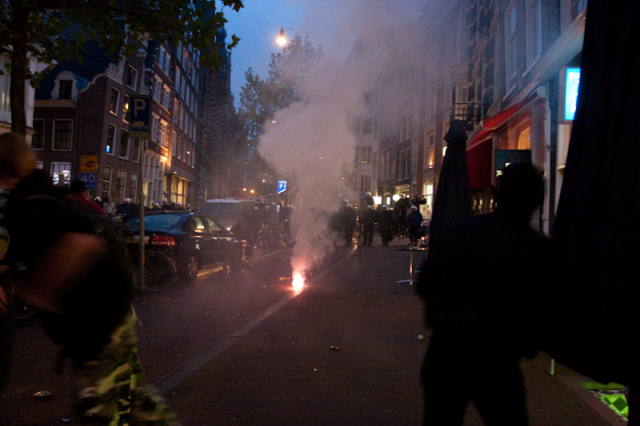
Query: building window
{"points": [[402, 165], [133, 187], [37, 140], [510, 61], [365, 158], [157, 89], [115, 98], [125, 109], [429, 159], [135, 150], [61, 173], [5, 85], [534, 31], [124, 144], [111, 139], [106, 182], [176, 109], [162, 133], [121, 180], [433, 100], [166, 93], [62, 135], [132, 77], [365, 183], [577, 7], [154, 127], [65, 89], [174, 139]]}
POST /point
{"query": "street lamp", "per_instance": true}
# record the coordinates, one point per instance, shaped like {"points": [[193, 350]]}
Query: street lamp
{"points": [[281, 40]]}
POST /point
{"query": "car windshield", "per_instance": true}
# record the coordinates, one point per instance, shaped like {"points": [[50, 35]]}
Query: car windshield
{"points": [[160, 221], [222, 209]]}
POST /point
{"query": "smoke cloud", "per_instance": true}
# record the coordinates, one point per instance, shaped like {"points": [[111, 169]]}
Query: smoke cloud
{"points": [[312, 143]]}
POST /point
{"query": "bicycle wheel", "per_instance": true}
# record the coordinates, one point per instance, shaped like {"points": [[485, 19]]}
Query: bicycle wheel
{"points": [[159, 272], [22, 311]]}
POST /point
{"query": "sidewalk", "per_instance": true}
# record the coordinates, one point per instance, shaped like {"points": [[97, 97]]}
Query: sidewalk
{"points": [[347, 351]]}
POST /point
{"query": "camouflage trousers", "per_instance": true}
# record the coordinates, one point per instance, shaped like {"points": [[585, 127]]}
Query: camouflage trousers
{"points": [[110, 388]]}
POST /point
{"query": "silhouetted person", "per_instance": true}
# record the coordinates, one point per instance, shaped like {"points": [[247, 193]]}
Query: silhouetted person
{"points": [[480, 284], [349, 221], [414, 220], [386, 220], [82, 286], [369, 219], [78, 191]]}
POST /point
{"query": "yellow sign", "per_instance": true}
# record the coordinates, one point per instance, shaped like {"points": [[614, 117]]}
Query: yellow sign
{"points": [[88, 164]]}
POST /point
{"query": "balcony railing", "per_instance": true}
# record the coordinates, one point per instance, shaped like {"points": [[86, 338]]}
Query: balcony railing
{"points": [[469, 113]]}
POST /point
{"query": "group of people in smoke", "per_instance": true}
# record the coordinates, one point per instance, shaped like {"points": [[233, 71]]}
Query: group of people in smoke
{"points": [[404, 219]]}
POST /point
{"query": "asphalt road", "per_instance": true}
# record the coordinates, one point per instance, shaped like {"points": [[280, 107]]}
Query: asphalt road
{"points": [[245, 348]]}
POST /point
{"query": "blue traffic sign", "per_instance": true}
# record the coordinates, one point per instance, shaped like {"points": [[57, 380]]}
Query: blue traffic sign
{"points": [[282, 186], [89, 179]]}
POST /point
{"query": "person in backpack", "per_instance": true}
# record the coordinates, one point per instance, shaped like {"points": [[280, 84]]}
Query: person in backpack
{"points": [[59, 263]]}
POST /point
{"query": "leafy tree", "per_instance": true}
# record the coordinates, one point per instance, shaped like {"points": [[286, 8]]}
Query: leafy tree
{"points": [[53, 30], [261, 98]]}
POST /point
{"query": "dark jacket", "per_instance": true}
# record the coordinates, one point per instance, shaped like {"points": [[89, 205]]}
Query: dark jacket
{"points": [[369, 217], [37, 215], [480, 283], [349, 217], [415, 219], [386, 221]]}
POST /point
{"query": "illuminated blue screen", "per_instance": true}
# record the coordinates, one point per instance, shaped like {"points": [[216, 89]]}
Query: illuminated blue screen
{"points": [[572, 82]]}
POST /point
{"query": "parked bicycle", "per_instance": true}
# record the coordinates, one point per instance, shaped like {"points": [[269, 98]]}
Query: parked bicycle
{"points": [[159, 271]]}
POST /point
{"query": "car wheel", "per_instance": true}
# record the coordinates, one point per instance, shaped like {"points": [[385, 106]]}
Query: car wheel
{"points": [[189, 270]]}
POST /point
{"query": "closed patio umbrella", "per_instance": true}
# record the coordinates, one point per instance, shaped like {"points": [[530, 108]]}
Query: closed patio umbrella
{"points": [[453, 198]]}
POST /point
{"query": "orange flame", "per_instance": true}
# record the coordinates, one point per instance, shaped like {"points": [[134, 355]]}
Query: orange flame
{"points": [[298, 281]]}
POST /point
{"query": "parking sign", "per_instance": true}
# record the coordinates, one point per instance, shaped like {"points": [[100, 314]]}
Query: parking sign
{"points": [[282, 186], [139, 113]]}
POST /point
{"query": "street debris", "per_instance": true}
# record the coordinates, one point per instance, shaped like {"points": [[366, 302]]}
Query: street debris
{"points": [[43, 395], [335, 348], [420, 337]]}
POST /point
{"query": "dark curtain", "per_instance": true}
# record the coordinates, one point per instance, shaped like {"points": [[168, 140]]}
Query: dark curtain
{"points": [[590, 312]]}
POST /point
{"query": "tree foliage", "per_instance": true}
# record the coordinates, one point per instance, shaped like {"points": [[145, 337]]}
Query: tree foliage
{"points": [[261, 98], [53, 30]]}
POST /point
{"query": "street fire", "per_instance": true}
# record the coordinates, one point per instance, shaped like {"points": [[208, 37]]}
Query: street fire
{"points": [[298, 281]]}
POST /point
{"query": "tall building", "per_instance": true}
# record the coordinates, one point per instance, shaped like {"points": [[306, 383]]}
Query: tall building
{"points": [[81, 125], [508, 69]]}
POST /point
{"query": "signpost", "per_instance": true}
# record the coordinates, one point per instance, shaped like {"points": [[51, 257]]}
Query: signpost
{"points": [[140, 128]]}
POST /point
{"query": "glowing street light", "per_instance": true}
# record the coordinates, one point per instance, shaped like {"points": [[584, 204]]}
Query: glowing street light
{"points": [[281, 40]]}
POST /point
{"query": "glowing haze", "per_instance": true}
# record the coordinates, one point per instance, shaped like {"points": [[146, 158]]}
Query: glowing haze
{"points": [[312, 143]]}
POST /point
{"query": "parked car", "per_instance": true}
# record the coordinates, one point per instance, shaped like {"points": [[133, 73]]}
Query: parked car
{"points": [[192, 240]]}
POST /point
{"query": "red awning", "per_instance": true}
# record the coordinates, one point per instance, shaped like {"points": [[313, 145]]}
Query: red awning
{"points": [[495, 121], [479, 160]]}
